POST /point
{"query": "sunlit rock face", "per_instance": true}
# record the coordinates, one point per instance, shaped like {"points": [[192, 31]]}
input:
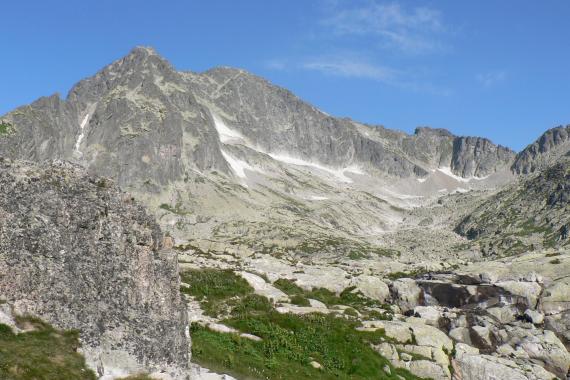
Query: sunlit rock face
{"points": [[80, 254]]}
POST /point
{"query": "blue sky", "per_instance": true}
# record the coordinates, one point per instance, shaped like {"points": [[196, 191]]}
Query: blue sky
{"points": [[498, 69]]}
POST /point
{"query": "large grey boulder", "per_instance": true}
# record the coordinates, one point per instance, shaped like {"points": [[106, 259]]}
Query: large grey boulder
{"points": [[371, 287], [559, 324], [544, 347], [556, 298], [406, 293], [473, 366], [82, 255]]}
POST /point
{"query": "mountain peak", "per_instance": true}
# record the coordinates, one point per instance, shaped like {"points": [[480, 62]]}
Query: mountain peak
{"points": [[144, 50], [141, 62], [142, 57]]}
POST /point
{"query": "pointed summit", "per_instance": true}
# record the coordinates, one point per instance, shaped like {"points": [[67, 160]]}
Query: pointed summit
{"points": [[141, 63], [140, 58], [148, 50]]}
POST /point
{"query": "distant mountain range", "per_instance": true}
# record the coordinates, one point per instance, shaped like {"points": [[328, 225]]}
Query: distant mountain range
{"points": [[286, 231], [246, 145]]}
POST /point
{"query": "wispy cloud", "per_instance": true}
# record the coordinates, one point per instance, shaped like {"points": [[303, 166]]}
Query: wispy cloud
{"points": [[276, 64], [353, 38], [351, 69], [413, 30], [492, 78], [354, 67]]}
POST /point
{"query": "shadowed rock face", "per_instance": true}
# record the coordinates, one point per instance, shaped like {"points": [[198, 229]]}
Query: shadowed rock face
{"points": [[144, 123], [80, 254], [552, 145], [131, 121], [475, 156]]}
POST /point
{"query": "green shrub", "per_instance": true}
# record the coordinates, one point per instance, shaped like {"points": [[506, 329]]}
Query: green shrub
{"points": [[300, 300], [175, 210], [378, 316], [4, 128], [213, 288], [252, 304], [348, 297], [288, 287], [351, 312], [289, 342]]}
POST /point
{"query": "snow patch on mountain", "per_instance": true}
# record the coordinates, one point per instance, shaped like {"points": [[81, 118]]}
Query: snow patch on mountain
{"points": [[338, 173], [227, 135], [447, 171], [80, 136], [238, 166]]}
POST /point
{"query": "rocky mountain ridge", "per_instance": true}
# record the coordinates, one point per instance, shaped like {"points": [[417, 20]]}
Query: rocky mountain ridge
{"points": [[141, 98], [188, 145]]}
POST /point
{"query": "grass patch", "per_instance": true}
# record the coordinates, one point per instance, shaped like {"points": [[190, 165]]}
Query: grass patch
{"points": [[348, 297], [288, 287], [290, 342], [300, 300], [137, 377], [175, 210], [529, 227], [213, 288], [42, 354], [412, 274], [5, 128], [351, 249]]}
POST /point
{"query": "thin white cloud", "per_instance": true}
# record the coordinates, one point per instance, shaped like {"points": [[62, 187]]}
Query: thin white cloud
{"points": [[276, 64], [492, 78], [412, 30], [352, 69]]}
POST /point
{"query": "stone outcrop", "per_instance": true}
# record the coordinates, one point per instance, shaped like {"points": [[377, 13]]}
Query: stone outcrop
{"points": [[548, 148], [80, 254], [528, 215]]}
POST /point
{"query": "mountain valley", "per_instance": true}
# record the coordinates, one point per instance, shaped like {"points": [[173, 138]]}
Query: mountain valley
{"points": [[276, 233]]}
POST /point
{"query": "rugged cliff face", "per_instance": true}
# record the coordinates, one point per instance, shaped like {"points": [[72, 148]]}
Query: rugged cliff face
{"points": [[140, 120], [552, 145], [528, 215], [80, 254]]}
